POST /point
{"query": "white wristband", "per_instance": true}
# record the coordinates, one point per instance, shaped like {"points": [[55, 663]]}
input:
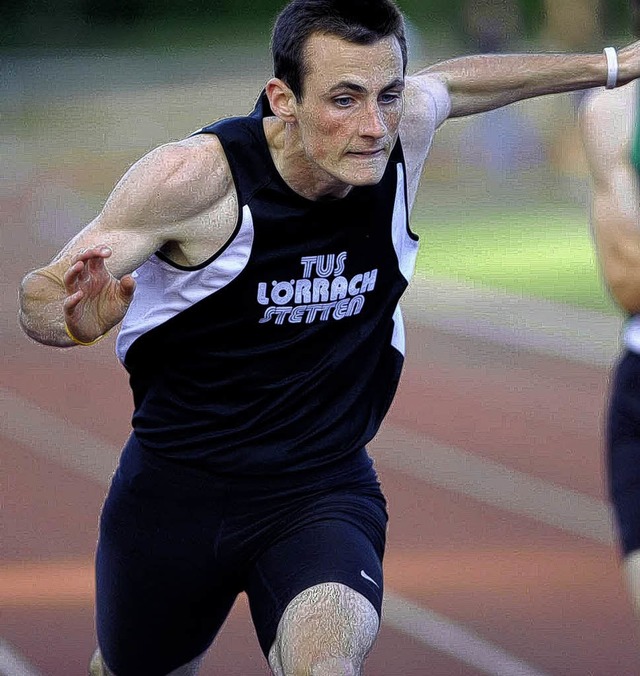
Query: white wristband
{"points": [[612, 67]]}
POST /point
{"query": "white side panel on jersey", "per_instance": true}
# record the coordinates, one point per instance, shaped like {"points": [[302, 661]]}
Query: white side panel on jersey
{"points": [[397, 339], [406, 249], [631, 333], [163, 291]]}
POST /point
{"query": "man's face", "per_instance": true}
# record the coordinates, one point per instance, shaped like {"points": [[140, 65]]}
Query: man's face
{"points": [[351, 107]]}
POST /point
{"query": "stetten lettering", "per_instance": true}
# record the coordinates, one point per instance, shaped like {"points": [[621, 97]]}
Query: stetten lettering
{"points": [[296, 314]]}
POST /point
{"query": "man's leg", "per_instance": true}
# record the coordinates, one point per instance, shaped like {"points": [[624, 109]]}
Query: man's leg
{"points": [[632, 571], [326, 630], [97, 667], [162, 592], [316, 592]]}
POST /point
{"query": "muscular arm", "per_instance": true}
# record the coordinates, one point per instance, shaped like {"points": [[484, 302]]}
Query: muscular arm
{"points": [[426, 107], [169, 197], [475, 84], [607, 122], [487, 81]]}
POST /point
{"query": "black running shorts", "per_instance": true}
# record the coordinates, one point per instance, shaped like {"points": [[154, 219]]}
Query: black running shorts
{"points": [[178, 544], [623, 450]]}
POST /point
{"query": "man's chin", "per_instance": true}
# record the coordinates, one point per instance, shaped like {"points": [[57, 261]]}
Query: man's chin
{"points": [[368, 181], [362, 178]]}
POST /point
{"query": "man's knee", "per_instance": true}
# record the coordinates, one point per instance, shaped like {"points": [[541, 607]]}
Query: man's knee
{"points": [[632, 570], [335, 666], [326, 630]]}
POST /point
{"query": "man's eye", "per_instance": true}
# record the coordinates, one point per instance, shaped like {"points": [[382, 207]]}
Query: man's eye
{"points": [[389, 98], [343, 101]]}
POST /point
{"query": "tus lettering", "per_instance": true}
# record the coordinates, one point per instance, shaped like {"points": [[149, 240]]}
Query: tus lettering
{"points": [[322, 293]]}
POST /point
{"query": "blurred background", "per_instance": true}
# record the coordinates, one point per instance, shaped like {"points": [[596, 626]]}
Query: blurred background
{"points": [[502, 558]]}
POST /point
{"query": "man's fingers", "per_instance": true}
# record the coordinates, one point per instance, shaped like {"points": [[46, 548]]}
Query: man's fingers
{"points": [[86, 264], [73, 273], [70, 302], [127, 286], [99, 251], [95, 265]]}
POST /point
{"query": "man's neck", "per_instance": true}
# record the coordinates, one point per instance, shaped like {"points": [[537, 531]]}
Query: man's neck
{"points": [[303, 176]]}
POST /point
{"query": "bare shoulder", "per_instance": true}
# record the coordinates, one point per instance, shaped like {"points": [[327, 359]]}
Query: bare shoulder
{"points": [[180, 178], [426, 100], [426, 106]]}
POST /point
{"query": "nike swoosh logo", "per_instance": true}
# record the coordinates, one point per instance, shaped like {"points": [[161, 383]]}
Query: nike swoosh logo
{"points": [[366, 577]]}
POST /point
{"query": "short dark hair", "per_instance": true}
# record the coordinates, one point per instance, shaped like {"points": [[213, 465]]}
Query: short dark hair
{"points": [[362, 22]]}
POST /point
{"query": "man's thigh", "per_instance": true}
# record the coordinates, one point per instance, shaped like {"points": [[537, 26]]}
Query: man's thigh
{"points": [[161, 592], [340, 543]]}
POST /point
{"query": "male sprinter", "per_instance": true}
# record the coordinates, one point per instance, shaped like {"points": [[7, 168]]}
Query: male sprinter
{"points": [[611, 137]]}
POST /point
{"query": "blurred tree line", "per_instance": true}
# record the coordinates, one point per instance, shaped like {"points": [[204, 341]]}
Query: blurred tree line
{"points": [[74, 22]]}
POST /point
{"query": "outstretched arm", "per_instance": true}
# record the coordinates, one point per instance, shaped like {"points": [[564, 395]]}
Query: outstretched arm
{"points": [[168, 197], [607, 122], [480, 83]]}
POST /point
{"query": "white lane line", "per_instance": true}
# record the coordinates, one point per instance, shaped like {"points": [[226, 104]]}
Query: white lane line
{"points": [[436, 631], [77, 449], [493, 483], [12, 663], [513, 320], [56, 439]]}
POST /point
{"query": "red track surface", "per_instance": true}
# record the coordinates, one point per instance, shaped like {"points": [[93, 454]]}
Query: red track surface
{"points": [[551, 599]]}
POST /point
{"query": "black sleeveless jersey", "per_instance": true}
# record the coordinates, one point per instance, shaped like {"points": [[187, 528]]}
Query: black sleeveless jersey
{"points": [[283, 351]]}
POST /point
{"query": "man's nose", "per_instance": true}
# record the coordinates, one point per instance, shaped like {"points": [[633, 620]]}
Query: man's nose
{"points": [[372, 123]]}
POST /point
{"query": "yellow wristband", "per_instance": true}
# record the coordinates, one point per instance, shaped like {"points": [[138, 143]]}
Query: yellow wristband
{"points": [[80, 342]]}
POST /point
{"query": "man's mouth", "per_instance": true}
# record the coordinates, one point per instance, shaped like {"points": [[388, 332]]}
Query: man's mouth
{"points": [[367, 153]]}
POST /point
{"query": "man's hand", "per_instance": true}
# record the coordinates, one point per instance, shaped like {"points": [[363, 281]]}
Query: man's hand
{"points": [[95, 300]]}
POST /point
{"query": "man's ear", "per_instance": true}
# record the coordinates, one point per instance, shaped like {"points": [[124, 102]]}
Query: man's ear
{"points": [[281, 100]]}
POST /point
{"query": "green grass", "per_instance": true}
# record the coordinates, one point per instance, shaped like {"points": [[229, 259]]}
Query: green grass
{"points": [[546, 253]]}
